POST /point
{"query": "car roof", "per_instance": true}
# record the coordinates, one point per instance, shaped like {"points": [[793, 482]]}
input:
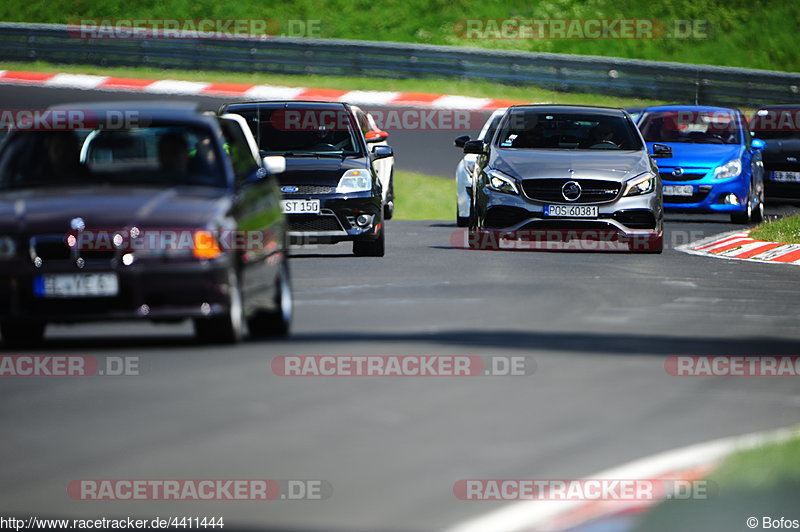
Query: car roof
{"points": [[551, 108], [159, 111], [287, 104], [700, 108]]}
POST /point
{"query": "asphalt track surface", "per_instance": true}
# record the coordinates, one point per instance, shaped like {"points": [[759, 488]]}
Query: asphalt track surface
{"points": [[598, 327]]}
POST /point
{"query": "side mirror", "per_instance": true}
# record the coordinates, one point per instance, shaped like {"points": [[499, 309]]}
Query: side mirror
{"points": [[274, 164], [475, 146], [758, 144], [661, 151], [376, 136], [382, 152], [460, 141]]}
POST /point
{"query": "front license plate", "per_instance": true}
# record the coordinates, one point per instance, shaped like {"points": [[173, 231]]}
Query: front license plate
{"points": [[678, 190], [571, 211], [76, 285], [786, 177], [310, 206]]}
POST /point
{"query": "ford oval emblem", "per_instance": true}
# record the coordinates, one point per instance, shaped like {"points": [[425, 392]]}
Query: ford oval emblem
{"points": [[289, 189]]}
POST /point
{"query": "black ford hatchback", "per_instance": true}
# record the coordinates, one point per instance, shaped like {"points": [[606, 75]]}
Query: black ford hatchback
{"points": [[331, 190]]}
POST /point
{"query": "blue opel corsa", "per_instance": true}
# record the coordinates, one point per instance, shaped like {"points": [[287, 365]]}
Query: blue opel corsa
{"points": [[715, 166]]}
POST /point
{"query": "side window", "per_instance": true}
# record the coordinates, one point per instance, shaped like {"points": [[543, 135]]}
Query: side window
{"points": [[237, 147], [363, 123], [745, 127]]}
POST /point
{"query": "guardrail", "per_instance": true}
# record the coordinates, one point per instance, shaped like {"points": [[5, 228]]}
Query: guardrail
{"points": [[676, 82]]}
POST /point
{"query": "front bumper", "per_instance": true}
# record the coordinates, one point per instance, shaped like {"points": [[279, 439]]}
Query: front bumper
{"points": [[515, 222], [708, 195], [336, 221], [147, 291]]}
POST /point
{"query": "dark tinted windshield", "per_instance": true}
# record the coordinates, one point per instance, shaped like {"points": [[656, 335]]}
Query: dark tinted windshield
{"points": [[702, 127], [534, 129], [302, 132], [772, 124], [168, 156]]}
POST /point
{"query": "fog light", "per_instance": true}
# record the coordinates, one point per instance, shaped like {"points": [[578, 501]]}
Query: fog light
{"points": [[730, 199], [127, 259], [363, 220]]}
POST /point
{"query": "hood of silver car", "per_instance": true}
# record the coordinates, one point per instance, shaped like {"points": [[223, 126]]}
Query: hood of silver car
{"points": [[589, 164]]}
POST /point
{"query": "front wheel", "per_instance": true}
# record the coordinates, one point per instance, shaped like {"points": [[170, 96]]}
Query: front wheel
{"points": [[758, 212], [228, 327], [278, 321], [370, 248], [388, 207], [21, 333]]}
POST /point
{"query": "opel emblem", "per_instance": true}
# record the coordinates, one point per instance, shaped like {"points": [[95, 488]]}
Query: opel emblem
{"points": [[77, 224], [571, 190], [677, 172], [289, 189]]}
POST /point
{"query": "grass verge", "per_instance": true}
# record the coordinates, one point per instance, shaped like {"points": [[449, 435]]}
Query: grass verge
{"points": [[783, 230], [757, 483], [475, 88], [423, 197], [718, 32]]}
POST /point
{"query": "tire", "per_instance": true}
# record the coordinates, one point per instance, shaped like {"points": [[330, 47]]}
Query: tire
{"points": [[743, 217], [388, 208], [758, 213], [21, 333], [462, 221], [370, 248], [228, 327], [278, 321]]}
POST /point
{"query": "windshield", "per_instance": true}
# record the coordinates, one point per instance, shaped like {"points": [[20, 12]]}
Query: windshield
{"points": [[166, 156], [303, 132], [698, 127], [776, 124], [534, 129]]}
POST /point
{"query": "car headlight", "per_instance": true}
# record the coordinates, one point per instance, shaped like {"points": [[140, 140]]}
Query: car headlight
{"points": [[501, 182], [728, 170], [643, 184], [354, 181], [8, 247]]}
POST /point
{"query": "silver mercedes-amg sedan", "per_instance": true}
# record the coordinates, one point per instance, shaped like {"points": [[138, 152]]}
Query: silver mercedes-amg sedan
{"points": [[566, 177]]}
